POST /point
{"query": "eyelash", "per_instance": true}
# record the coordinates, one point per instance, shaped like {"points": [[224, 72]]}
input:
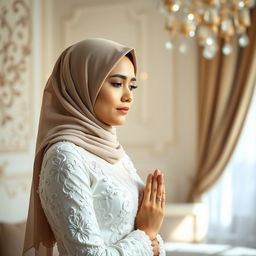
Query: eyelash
{"points": [[117, 85]]}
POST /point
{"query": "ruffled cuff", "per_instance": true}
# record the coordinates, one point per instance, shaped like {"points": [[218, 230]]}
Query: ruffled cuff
{"points": [[141, 236], [161, 245]]}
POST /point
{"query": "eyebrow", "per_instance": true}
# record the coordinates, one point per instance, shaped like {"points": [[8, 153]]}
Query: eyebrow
{"points": [[123, 77]]}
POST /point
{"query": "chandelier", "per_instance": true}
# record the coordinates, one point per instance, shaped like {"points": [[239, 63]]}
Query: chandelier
{"points": [[208, 21]]}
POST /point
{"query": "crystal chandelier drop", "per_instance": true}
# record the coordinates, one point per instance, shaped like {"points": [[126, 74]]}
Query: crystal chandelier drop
{"points": [[208, 21]]}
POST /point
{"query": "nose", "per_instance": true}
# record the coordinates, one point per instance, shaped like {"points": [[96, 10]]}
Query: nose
{"points": [[127, 95]]}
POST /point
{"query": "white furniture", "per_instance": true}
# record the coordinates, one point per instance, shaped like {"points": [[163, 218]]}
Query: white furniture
{"points": [[185, 222]]}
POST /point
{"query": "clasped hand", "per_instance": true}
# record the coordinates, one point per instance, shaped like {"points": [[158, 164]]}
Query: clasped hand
{"points": [[151, 207]]}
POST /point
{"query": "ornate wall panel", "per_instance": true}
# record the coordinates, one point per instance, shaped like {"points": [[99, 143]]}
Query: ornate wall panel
{"points": [[13, 184], [15, 75], [14, 194], [16, 107]]}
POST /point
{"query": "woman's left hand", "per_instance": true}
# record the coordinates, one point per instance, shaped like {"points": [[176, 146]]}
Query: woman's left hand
{"points": [[151, 206]]}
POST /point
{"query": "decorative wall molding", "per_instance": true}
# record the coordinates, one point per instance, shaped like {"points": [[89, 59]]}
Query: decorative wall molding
{"points": [[140, 20], [15, 75], [14, 184]]}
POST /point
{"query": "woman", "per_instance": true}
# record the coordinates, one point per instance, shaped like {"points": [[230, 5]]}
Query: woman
{"points": [[85, 189]]}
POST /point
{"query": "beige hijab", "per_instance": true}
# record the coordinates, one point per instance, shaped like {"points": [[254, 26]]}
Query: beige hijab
{"points": [[67, 114]]}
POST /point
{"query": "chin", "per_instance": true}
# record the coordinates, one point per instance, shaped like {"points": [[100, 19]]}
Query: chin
{"points": [[118, 122]]}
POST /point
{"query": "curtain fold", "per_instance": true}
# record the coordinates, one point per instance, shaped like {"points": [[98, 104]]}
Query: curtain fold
{"points": [[225, 89]]}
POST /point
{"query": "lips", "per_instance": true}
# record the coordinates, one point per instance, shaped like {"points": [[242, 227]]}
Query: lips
{"points": [[125, 108]]}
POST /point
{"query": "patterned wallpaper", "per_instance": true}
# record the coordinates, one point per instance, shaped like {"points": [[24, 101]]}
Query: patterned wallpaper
{"points": [[15, 75]]}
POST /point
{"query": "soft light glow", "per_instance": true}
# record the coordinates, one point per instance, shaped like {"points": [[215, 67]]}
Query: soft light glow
{"points": [[191, 16], [209, 41], [169, 45], [209, 21], [192, 33], [241, 4], [243, 40], [175, 7], [208, 52], [183, 48], [208, 249], [227, 49]]}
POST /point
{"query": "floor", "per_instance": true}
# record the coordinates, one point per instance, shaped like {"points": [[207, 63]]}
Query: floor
{"points": [[182, 249]]}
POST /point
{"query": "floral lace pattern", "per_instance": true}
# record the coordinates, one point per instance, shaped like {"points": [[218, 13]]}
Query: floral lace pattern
{"points": [[161, 245], [90, 208], [79, 227]]}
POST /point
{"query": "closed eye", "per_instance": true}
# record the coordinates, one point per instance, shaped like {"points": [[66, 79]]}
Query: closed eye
{"points": [[117, 85], [133, 87]]}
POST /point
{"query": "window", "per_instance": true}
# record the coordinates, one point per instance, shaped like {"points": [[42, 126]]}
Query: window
{"points": [[232, 201]]}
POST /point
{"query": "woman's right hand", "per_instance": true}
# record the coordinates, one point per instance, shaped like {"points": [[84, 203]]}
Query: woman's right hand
{"points": [[151, 210]]}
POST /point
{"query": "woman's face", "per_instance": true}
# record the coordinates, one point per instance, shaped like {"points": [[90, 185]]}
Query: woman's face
{"points": [[116, 94]]}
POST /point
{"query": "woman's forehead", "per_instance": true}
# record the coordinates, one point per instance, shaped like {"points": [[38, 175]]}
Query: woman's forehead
{"points": [[124, 66]]}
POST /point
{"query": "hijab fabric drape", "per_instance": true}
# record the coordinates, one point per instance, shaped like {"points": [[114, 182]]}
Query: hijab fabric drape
{"points": [[67, 114]]}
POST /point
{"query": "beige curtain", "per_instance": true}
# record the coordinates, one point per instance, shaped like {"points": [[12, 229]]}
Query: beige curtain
{"points": [[225, 89]]}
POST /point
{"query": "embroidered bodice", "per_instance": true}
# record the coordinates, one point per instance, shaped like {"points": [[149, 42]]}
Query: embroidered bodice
{"points": [[91, 204]]}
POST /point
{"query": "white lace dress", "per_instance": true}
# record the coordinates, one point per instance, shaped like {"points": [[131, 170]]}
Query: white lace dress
{"points": [[91, 204]]}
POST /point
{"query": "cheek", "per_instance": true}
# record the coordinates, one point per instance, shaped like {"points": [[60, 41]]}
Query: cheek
{"points": [[108, 100], [110, 97], [106, 103]]}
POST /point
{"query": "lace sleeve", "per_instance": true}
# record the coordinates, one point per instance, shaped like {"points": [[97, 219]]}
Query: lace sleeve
{"points": [[66, 197], [162, 251]]}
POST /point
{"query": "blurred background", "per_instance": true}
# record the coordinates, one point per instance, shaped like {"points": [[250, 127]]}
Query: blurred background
{"points": [[194, 115]]}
